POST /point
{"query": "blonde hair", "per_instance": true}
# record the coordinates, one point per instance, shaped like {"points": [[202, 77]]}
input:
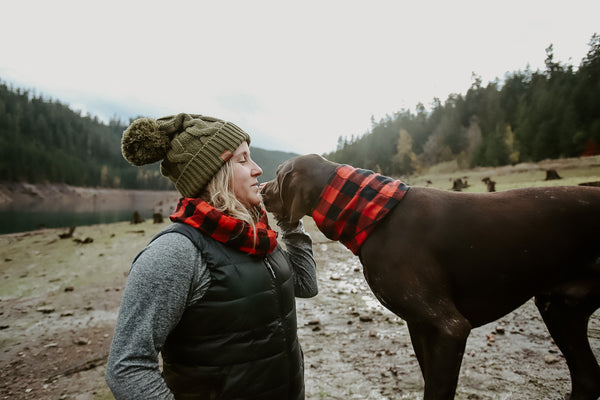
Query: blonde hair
{"points": [[219, 194]]}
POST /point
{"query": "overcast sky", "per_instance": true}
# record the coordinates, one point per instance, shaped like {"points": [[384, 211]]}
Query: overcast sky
{"points": [[295, 75]]}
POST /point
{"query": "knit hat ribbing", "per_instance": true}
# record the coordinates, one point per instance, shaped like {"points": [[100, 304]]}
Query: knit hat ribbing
{"points": [[189, 145]]}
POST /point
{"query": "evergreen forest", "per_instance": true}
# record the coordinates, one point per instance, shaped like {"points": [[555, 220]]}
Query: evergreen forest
{"points": [[528, 117], [44, 141]]}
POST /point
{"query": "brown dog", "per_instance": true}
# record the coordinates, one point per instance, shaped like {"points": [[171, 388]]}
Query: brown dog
{"points": [[448, 262]]}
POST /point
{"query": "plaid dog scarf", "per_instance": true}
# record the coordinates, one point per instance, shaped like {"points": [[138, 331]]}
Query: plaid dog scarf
{"points": [[353, 202], [258, 241]]}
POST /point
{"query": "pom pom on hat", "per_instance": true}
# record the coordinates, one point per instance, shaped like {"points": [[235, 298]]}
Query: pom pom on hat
{"points": [[144, 143]]}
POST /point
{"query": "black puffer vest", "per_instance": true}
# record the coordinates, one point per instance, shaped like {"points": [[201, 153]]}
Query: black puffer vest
{"points": [[239, 341]]}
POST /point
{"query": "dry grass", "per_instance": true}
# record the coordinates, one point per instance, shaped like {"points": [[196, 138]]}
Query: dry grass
{"points": [[573, 171]]}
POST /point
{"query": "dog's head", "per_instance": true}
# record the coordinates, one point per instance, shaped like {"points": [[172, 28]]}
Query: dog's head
{"points": [[296, 189]]}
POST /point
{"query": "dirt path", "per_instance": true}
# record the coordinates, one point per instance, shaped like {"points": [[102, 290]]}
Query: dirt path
{"points": [[59, 299]]}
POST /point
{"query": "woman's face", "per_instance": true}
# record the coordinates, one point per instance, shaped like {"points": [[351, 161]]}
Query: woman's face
{"points": [[245, 176]]}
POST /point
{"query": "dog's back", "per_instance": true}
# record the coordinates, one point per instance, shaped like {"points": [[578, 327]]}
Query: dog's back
{"points": [[502, 245]]}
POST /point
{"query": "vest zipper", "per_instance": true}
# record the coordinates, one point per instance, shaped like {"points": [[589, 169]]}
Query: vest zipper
{"points": [[269, 267]]}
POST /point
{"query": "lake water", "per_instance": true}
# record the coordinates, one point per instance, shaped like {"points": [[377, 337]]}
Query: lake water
{"points": [[53, 208], [21, 221]]}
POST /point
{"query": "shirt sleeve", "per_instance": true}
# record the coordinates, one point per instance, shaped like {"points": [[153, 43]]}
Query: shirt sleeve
{"points": [[298, 244], [166, 276]]}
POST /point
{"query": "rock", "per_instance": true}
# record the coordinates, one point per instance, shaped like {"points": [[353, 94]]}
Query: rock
{"points": [[69, 289], [82, 341], [550, 359], [45, 309], [500, 329], [365, 318], [595, 183], [87, 240]]}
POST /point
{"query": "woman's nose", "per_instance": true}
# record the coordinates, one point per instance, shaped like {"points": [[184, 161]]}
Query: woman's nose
{"points": [[257, 171]]}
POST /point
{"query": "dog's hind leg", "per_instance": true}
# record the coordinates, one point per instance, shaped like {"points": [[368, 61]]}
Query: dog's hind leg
{"points": [[566, 313], [439, 347]]}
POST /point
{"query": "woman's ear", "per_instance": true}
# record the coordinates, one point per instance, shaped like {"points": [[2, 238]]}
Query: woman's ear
{"points": [[226, 155]]}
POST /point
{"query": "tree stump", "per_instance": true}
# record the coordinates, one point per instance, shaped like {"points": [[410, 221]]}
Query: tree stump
{"points": [[68, 234], [136, 218], [459, 185], [491, 185], [551, 174]]}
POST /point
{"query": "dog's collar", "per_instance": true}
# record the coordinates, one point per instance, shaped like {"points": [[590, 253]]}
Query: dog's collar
{"points": [[353, 202]]}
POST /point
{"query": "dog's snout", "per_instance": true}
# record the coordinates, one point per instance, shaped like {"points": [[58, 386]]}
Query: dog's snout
{"points": [[265, 188], [266, 192]]}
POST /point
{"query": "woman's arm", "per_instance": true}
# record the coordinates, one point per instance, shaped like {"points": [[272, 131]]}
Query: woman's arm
{"points": [[298, 244], [159, 286]]}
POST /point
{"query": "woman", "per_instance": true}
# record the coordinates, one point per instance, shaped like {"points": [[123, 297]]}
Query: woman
{"points": [[213, 293]]}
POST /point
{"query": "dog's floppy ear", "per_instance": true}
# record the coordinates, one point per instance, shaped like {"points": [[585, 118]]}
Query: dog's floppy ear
{"points": [[292, 196]]}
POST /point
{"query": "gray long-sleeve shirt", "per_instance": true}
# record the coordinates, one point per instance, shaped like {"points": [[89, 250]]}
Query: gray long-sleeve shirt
{"points": [[168, 276]]}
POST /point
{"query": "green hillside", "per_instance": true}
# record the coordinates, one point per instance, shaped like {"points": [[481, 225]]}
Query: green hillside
{"points": [[44, 141]]}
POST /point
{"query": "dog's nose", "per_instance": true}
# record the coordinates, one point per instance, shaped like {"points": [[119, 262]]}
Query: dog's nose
{"points": [[263, 187], [267, 194]]}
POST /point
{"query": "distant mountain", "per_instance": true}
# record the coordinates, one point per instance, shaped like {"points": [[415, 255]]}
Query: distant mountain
{"points": [[269, 160]]}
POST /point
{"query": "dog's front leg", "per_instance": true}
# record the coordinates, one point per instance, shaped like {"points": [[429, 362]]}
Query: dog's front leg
{"points": [[439, 347]]}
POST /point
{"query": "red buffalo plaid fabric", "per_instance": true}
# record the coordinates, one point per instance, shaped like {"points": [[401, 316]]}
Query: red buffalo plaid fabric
{"points": [[257, 241], [353, 202]]}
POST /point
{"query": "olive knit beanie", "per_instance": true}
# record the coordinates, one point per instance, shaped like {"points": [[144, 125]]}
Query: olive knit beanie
{"points": [[192, 147]]}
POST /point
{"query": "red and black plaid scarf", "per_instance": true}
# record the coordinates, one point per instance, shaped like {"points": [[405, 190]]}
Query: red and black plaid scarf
{"points": [[225, 228], [353, 202]]}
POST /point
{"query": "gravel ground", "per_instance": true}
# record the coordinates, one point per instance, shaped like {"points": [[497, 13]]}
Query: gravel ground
{"points": [[59, 299]]}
